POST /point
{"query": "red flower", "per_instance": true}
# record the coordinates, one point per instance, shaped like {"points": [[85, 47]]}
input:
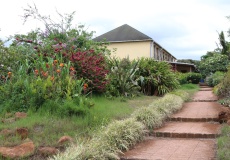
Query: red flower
{"points": [[71, 68], [36, 72], [55, 62], [9, 74], [58, 71], [52, 78], [47, 65]]}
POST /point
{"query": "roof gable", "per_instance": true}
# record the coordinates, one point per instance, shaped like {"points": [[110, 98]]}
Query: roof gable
{"points": [[123, 33]]}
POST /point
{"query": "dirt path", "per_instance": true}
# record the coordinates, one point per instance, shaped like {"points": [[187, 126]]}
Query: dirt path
{"points": [[189, 134]]}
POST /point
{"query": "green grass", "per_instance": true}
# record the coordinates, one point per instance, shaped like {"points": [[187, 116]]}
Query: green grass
{"points": [[186, 91], [45, 129], [120, 135], [189, 87], [223, 144]]}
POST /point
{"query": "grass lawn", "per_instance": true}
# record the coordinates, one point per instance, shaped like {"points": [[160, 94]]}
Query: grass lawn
{"points": [[223, 144], [45, 129]]}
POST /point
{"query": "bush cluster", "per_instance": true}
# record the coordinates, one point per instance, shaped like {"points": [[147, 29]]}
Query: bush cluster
{"points": [[223, 144], [157, 77], [216, 62], [190, 77], [120, 135], [223, 88], [214, 79]]}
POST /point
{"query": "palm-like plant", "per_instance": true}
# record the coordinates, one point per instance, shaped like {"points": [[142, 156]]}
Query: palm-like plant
{"points": [[158, 77]]}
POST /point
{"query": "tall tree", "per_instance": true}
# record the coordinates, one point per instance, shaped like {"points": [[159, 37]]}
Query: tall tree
{"points": [[224, 44]]}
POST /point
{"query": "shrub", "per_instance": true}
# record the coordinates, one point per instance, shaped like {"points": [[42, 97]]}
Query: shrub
{"points": [[223, 89], [216, 62], [190, 77], [92, 67], [123, 78], [194, 77], [225, 102], [182, 77], [121, 135], [153, 115], [183, 94], [50, 80], [149, 117], [72, 152], [109, 143], [223, 144], [215, 79], [60, 41], [158, 78], [168, 104]]}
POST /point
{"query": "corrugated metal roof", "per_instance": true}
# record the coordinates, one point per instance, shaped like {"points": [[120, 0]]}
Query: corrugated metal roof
{"points": [[122, 34]]}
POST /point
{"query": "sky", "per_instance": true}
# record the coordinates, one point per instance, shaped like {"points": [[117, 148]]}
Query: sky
{"points": [[185, 28]]}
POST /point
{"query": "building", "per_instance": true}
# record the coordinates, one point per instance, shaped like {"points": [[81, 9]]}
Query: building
{"points": [[132, 43], [183, 67]]}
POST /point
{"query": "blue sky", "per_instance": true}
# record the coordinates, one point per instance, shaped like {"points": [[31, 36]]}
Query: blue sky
{"points": [[186, 28]]}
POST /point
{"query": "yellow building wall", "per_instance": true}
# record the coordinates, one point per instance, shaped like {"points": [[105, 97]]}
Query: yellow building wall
{"points": [[131, 49]]}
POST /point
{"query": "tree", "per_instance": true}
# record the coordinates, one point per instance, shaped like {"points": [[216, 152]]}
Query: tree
{"points": [[217, 62], [224, 44]]}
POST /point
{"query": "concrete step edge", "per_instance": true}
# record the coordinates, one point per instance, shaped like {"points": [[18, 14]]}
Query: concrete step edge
{"points": [[200, 100], [182, 119], [183, 135]]}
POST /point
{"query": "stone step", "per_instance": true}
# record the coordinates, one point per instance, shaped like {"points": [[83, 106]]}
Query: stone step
{"points": [[188, 130], [206, 89], [182, 119], [204, 86], [172, 149], [204, 96], [198, 112]]}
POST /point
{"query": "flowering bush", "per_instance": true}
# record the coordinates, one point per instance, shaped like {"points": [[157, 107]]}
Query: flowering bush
{"points": [[60, 64], [210, 65], [92, 67]]}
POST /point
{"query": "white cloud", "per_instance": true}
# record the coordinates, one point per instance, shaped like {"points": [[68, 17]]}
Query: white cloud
{"points": [[184, 28]]}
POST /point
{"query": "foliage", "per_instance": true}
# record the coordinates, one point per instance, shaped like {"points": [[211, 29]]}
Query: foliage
{"points": [[168, 104], [215, 78], [158, 77], [210, 65], [209, 54], [224, 44], [223, 144], [225, 102], [50, 80], [121, 135], [194, 77], [190, 77], [181, 93], [61, 41], [93, 68], [186, 91], [123, 78], [182, 77], [9, 61], [149, 117], [60, 32], [223, 87], [109, 143], [60, 63], [153, 115]]}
